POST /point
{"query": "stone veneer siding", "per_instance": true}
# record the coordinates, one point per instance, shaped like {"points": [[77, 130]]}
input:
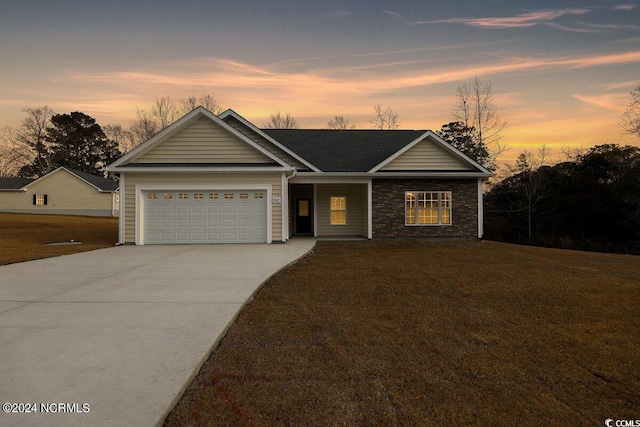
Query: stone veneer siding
{"points": [[388, 208]]}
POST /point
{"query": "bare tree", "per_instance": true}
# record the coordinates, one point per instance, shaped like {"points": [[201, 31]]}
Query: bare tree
{"points": [[475, 107], [164, 111], [120, 136], [631, 117], [143, 128], [12, 157], [26, 146], [384, 118], [280, 121], [532, 189], [205, 101], [572, 154], [340, 123]]}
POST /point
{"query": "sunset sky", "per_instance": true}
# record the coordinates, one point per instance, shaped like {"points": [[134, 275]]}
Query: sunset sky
{"points": [[561, 70]]}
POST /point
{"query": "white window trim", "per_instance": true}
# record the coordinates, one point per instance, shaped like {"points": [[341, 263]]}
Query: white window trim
{"points": [[439, 224], [140, 200], [331, 211]]}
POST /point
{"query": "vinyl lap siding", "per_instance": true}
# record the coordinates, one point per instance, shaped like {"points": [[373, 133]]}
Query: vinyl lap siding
{"points": [[203, 142], [356, 210], [425, 155], [66, 194], [208, 179]]}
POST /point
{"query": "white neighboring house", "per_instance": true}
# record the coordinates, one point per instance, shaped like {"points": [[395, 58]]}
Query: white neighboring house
{"points": [[63, 191]]}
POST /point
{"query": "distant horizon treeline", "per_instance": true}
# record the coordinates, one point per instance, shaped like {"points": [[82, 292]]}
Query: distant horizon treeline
{"points": [[590, 203]]}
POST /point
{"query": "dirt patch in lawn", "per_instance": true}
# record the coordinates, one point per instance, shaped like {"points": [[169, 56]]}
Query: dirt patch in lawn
{"points": [[430, 333], [25, 237]]}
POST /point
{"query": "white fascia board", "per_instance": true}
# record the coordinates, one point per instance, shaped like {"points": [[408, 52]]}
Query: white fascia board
{"points": [[457, 153], [179, 125], [434, 174], [398, 153], [196, 169], [251, 126], [326, 179], [147, 145], [444, 144]]}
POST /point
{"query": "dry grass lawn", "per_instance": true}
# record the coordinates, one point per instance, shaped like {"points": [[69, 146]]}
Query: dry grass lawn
{"points": [[24, 237], [430, 333]]}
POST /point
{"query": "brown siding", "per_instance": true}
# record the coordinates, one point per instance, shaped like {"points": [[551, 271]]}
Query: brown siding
{"points": [[389, 212]]}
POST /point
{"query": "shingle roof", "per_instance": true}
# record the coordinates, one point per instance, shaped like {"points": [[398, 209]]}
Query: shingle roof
{"points": [[14, 183], [344, 150], [103, 184]]}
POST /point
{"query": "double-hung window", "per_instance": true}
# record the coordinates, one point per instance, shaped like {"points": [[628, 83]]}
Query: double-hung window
{"points": [[338, 210], [427, 207], [40, 199]]}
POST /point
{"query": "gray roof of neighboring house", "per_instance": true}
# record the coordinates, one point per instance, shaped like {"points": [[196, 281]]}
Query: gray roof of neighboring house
{"points": [[102, 183], [344, 150], [14, 183]]}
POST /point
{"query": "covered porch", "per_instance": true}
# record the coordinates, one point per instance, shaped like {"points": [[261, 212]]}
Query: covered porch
{"points": [[330, 209]]}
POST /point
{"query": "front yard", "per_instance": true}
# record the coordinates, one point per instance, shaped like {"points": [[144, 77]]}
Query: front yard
{"points": [[25, 237], [430, 333]]}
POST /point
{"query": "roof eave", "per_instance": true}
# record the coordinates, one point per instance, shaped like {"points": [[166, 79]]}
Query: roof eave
{"points": [[182, 169], [402, 174]]}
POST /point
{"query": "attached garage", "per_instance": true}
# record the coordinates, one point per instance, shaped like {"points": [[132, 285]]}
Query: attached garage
{"points": [[205, 216]]}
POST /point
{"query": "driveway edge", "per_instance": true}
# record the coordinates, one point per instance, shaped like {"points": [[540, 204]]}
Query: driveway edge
{"points": [[222, 334]]}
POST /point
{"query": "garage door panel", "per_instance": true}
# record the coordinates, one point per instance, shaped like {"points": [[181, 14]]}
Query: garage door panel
{"points": [[228, 236], [205, 217], [198, 237]]}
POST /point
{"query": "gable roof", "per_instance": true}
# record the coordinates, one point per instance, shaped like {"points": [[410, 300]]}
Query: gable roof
{"points": [[344, 150], [99, 183], [181, 124], [438, 141], [229, 113], [13, 184]]}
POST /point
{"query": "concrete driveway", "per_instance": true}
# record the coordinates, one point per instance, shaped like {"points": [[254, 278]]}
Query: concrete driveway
{"points": [[112, 337]]}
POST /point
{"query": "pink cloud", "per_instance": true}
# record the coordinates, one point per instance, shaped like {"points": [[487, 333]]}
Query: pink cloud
{"points": [[529, 19]]}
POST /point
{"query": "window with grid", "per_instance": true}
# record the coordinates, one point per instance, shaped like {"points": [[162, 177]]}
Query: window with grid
{"points": [[39, 199], [338, 210], [427, 207]]}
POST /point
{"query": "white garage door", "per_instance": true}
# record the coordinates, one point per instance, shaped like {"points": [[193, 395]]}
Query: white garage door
{"points": [[183, 217]]}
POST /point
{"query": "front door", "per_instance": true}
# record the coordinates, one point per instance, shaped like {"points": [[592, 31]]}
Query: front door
{"points": [[304, 222]]}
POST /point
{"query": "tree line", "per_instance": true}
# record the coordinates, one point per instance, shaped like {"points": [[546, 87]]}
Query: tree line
{"points": [[591, 202]]}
